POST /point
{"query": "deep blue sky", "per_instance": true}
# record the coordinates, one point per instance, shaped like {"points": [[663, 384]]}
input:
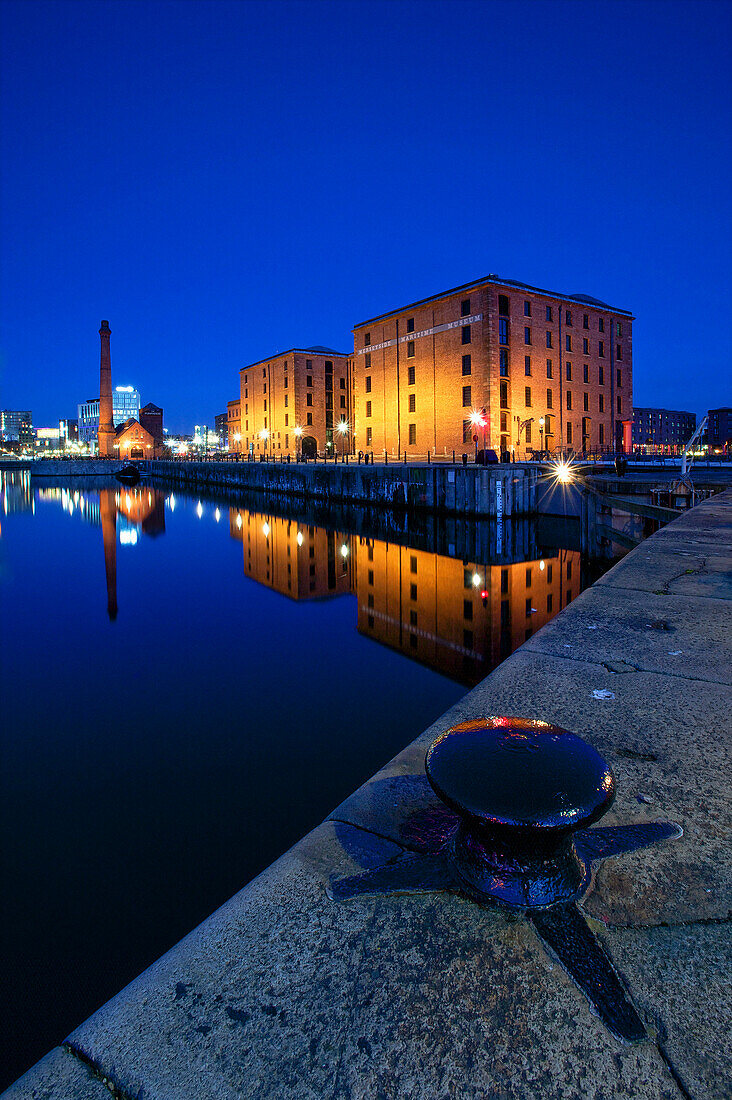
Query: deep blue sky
{"points": [[222, 180]]}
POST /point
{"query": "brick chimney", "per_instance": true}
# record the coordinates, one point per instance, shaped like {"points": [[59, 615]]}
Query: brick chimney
{"points": [[105, 434]]}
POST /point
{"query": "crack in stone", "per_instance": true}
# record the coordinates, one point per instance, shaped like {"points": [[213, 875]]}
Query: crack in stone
{"points": [[98, 1073], [604, 664], [373, 832], [678, 1080], [684, 573]]}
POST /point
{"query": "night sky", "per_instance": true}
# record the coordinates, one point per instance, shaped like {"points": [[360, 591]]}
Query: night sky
{"points": [[225, 180]]}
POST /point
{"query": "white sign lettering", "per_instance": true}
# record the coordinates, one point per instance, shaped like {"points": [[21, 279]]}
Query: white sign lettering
{"points": [[425, 332]]}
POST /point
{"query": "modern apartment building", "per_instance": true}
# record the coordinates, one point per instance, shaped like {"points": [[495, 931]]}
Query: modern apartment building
{"points": [[295, 402], [518, 367], [665, 428], [16, 426], [125, 404], [719, 429]]}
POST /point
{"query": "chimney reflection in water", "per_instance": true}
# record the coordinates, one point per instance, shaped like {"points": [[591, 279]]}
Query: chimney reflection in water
{"points": [[108, 513]]}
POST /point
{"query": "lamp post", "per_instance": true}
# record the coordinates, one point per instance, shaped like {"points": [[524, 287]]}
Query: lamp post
{"points": [[298, 437], [342, 428], [478, 420], [263, 435], [541, 431]]}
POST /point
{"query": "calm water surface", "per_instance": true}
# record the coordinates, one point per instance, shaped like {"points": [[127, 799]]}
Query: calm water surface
{"points": [[188, 685]]}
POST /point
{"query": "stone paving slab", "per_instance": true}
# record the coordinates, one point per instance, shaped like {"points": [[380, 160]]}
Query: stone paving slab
{"points": [[675, 567], [58, 1076], [669, 634]]}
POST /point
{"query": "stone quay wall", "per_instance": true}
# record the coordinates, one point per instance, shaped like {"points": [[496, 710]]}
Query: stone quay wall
{"points": [[285, 994], [468, 490]]}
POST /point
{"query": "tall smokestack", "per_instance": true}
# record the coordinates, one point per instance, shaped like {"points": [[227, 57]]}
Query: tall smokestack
{"points": [[105, 434]]}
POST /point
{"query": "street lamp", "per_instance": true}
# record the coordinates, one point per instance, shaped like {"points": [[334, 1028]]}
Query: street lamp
{"points": [[263, 435], [298, 436], [342, 428], [478, 420], [541, 431]]}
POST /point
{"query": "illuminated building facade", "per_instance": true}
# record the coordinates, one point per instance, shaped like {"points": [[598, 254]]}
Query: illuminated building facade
{"points": [[132, 441], [664, 428], [221, 427], [125, 404], [293, 403], [518, 367], [16, 426], [298, 560], [233, 425], [719, 430]]}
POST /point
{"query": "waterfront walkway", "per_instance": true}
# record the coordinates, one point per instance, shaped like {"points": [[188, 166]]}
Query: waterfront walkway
{"points": [[284, 993]]}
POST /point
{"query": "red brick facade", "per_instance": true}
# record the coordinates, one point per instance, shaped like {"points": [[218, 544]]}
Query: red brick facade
{"points": [[521, 354], [306, 389]]}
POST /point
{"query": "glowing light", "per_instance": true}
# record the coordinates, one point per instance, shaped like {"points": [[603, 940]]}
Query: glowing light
{"points": [[344, 551], [342, 426], [128, 501], [237, 437], [128, 538], [265, 530], [298, 431], [217, 515], [563, 472], [238, 521], [484, 594], [476, 419], [199, 509], [476, 579], [299, 538], [264, 434], [171, 502], [541, 566]]}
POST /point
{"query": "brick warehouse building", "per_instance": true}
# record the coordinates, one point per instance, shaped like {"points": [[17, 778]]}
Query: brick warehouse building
{"points": [[308, 389], [517, 352]]}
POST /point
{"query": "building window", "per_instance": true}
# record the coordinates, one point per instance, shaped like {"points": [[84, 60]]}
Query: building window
{"points": [[413, 591], [503, 305], [549, 314], [286, 398], [308, 364], [569, 372], [619, 378], [368, 383], [620, 328], [368, 408], [309, 399], [265, 406], [586, 320], [568, 317], [601, 435], [527, 366], [467, 364], [410, 324], [549, 368], [601, 324], [412, 433], [343, 383], [368, 436], [504, 395], [569, 434], [528, 432], [569, 399], [504, 422], [618, 351], [467, 431], [287, 420], [619, 406], [467, 399], [310, 380], [601, 349], [601, 403], [310, 418], [465, 307], [549, 399], [527, 335], [568, 342], [527, 309], [343, 402], [602, 376], [367, 360], [502, 331], [585, 374], [466, 334], [585, 345], [548, 338], [412, 403], [410, 376], [366, 339], [586, 402], [527, 396], [503, 360], [410, 349]]}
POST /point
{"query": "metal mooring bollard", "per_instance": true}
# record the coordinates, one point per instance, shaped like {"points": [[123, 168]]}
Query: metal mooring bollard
{"points": [[518, 798]]}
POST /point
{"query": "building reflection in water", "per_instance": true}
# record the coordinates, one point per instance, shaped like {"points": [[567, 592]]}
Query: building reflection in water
{"points": [[122, 514], [461, 618]]}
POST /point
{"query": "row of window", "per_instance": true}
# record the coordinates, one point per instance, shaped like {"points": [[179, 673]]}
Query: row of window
{"points": [[504, 310], [528, 340]]}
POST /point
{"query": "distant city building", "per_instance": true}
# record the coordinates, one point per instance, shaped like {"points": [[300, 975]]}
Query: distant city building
{"points": [[221, 423], [293, 402], [515, 366], [125, 404], [233, 418], [16, 426], [132, 441], [68, 431], [151, 419], [48, 439], [719, 429], [669, 428]]}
